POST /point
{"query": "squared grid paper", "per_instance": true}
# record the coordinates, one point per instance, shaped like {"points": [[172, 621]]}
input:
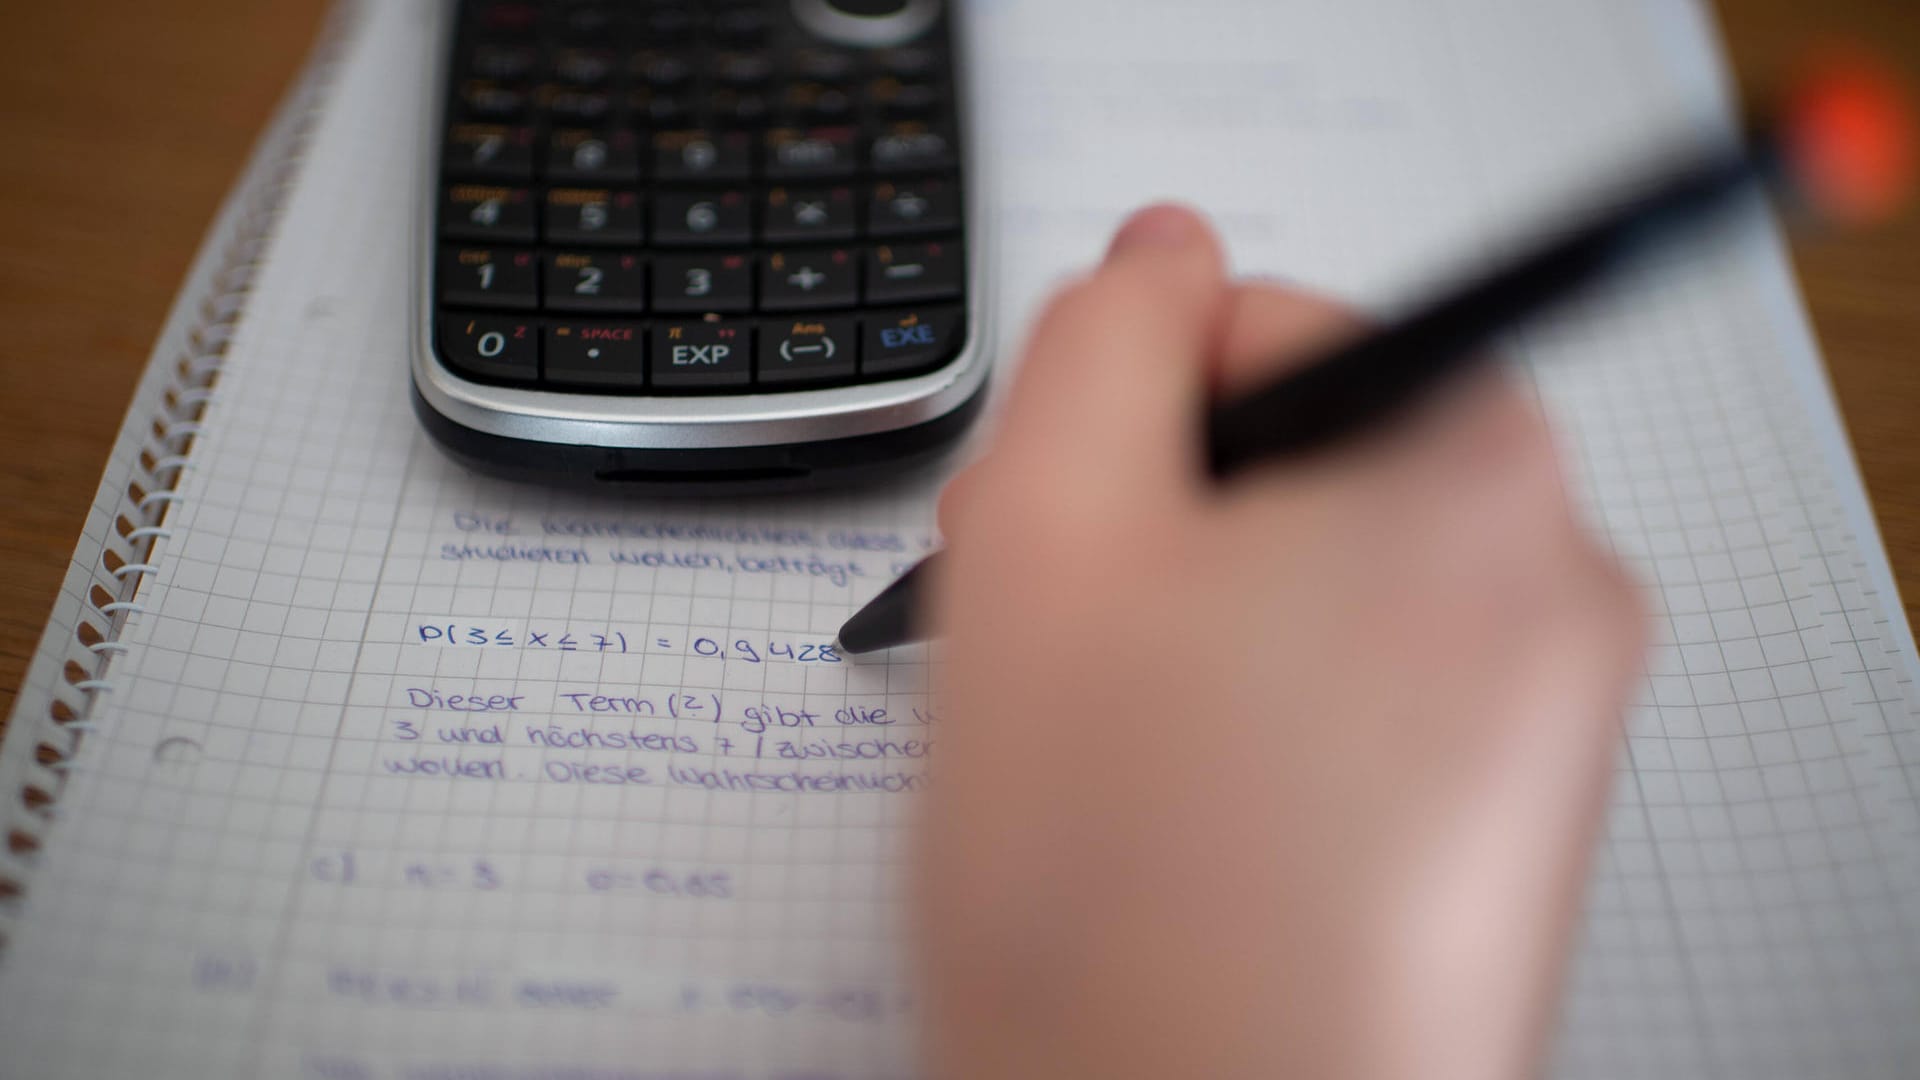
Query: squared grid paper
{"points": [[269, 896]]}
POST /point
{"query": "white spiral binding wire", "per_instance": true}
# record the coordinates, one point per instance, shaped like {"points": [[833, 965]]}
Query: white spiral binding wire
{"points": [[124, 561]]}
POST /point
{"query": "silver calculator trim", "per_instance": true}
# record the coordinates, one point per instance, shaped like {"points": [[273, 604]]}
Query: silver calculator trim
{"points": [[699, 423]]}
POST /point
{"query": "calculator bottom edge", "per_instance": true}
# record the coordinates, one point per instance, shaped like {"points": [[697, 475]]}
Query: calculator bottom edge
{"points": [[731, 470]]}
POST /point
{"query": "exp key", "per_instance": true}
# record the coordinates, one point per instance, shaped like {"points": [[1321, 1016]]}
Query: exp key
{"points": [[702, 355]]}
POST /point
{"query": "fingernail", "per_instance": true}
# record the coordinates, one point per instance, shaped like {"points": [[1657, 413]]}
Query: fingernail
{"points": [[1160, 226]]}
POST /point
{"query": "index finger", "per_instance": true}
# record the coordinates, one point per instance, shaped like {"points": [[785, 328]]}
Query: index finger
{"points": [[1114, 378]]}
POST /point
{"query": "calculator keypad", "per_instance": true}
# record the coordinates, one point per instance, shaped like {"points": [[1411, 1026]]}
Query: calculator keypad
{"points": [[693, 196]]}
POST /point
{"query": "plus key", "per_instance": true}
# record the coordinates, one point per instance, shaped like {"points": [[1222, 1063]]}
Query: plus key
{"points": [[808, 280]]}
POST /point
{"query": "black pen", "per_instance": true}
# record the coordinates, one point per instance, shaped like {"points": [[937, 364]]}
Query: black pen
{"points": [[1840, 149]]}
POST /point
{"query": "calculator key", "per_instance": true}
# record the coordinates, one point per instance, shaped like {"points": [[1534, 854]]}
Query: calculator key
{"points": [[797, 352], [904, 99], [596, 281], [820, 64], [588, 23], [662, 68], [490, 152], [485, 99], [911, 147], [910, 207], [488, 277], [596, 356], [702, 218], [807, 280], [903, 272], [482, 212], [908, 62], [493, 349], [738, 105], [703, 283], [584, 67], [666, 24], [592, 216], [586, 155], [817, 103], [661, 108], [807, 214], [749, 68], [503, 62], [812, 152], [571, 105], [741, 25], [514, 18], [694, 156], [909, 340], [700, 354]]}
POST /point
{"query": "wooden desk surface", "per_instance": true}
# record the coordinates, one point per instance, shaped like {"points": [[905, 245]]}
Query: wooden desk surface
{"points": [[126, 122]]}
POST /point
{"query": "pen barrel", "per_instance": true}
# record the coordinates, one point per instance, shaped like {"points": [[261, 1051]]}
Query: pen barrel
{"points": [[1354, 386]]}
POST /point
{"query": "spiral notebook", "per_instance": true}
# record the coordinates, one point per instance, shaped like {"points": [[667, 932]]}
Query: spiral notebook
{"points": [[337, 761]]}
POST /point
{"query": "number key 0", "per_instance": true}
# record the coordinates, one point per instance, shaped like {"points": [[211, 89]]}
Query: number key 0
{"points": [[494, 349]]}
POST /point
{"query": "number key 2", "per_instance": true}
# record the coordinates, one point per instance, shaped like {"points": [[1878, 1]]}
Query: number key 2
{"points": [[579, 281]]}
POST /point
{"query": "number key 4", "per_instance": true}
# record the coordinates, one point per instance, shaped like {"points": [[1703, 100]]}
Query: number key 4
{"points": [[480, 212]]}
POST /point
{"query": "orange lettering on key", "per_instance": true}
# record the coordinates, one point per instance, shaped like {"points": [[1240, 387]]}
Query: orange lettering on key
{"points": [[466, 193]]}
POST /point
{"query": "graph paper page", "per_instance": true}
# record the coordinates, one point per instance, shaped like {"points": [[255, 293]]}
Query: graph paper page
{"points": [[408, 773]]}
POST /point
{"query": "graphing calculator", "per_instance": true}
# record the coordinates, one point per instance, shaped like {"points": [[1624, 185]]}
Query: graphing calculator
{"points": [[699, 245]]}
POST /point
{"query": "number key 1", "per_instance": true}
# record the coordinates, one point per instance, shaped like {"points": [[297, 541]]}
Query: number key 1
{"points": [[488, 277]]}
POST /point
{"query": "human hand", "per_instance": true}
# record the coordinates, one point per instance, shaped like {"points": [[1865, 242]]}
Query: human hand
{"points": [[1293, 776]]}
